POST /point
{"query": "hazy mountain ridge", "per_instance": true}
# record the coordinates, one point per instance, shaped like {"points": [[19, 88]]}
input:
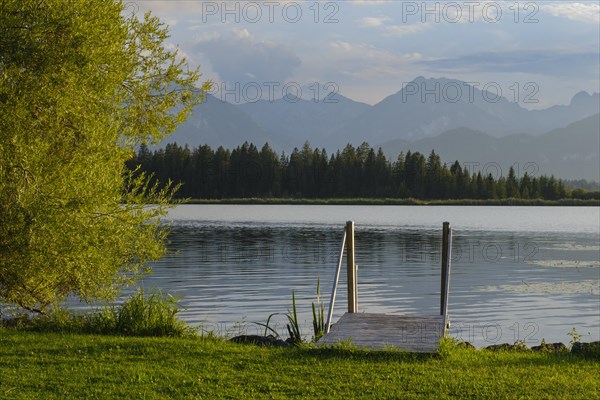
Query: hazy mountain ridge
{"points": [[570, 153], [218, 123], [304, 120], [404, 121], [440, 105]]}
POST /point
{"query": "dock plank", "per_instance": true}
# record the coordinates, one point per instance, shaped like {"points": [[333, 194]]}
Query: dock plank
{"points": [[415, 333]]}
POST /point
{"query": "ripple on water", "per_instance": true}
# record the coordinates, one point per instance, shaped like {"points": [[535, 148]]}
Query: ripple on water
{"points": [[591, 287], [514, 268], [566, 263]]}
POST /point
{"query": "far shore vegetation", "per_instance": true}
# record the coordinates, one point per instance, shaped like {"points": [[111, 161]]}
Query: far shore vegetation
{"points": [[354, 175], [401, 202]]}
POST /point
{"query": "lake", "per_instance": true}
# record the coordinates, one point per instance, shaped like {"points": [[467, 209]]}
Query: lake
{"points": [[518, 273]]}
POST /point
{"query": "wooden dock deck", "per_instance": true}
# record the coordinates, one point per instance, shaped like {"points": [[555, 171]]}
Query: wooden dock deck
{"points": [[413, 333]]}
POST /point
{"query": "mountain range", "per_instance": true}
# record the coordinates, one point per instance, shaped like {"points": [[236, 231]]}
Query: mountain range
{"points": [[459, 121], [568, 153]]}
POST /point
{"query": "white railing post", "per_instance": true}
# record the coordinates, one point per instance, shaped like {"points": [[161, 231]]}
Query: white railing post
{"points": [[335, 283]]}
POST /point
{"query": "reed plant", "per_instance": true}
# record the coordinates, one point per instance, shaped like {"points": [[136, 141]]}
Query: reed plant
{"points": [[267, 326], [293, 325], [318, 313]]}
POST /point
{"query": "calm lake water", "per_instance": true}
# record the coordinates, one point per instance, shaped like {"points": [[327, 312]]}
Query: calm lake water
{"points": [[518, 273]]}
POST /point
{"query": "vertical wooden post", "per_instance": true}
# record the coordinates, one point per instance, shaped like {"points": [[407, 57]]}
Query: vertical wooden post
{"points": [[446, 258], [355, 287], [351, 270], [444, 253]]}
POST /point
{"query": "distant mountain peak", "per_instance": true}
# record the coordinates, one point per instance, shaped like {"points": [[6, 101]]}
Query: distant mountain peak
{"points": [[402, 116], [570, 152], [583, 97]]}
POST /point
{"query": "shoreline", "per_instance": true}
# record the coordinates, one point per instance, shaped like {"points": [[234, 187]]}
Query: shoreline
{"points": [[398, 202]]}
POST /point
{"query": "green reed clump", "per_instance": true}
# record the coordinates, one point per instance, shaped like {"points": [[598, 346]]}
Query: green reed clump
{"points": [[294, 327], [318, 313], [142, 314]]}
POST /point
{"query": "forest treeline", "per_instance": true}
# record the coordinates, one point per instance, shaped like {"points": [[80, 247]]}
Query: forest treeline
{"points": [[354, 172]]}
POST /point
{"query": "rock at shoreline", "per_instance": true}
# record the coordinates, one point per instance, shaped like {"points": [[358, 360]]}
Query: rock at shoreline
{"points": [[550, 347], [465, 345], [269, 340], [586, 349], [508, 347], [503, 346]]}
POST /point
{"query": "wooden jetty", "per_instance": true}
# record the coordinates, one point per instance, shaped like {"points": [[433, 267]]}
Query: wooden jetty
{"points": [[415, 333]]}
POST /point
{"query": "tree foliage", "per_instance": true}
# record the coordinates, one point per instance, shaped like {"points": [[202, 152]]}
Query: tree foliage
{"points": [[353, 172], [82, 83]]}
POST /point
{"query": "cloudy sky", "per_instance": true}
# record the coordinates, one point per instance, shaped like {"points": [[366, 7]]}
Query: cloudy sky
{"points": [[538, 53]]}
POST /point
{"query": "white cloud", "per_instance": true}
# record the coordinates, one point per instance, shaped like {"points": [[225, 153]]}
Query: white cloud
{"points": [[176, 49], [239, 57], [341, 45], [206, 37], [363, 61], [163, 8], [404, 30], [173, 11], [549, 62], [583, 12], [370, 2], [371, 59], [171, 22], [242, 33], [372, 22]]}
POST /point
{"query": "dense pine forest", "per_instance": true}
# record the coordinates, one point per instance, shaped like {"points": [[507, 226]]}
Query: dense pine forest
{"points": [[354, 172]]}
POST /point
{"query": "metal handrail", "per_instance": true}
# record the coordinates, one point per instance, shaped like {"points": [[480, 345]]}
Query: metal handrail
{"points": [[335, 283], [352, 269]]}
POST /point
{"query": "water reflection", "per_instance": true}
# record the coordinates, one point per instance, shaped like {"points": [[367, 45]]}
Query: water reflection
{"points": [[232, 275]]}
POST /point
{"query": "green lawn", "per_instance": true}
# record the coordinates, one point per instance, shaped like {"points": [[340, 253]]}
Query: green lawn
{"points": [[74, 366]]}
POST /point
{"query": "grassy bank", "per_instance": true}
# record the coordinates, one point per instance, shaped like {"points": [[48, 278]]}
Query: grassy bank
{"points": [[400, 202], [73, 366]]}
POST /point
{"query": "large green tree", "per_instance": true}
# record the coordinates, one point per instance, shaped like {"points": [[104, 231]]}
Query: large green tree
{"points": [[82, 83]]}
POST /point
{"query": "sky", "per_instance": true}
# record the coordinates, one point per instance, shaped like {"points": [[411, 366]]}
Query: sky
{"points": [[535, 53]]}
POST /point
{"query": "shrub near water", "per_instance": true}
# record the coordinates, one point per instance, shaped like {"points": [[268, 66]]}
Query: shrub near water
{"points": [[142, 314]]}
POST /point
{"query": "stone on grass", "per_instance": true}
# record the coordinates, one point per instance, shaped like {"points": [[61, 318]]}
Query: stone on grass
{"points": [[269, 340], [550, 347], [519, 346], [586, 349]]}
